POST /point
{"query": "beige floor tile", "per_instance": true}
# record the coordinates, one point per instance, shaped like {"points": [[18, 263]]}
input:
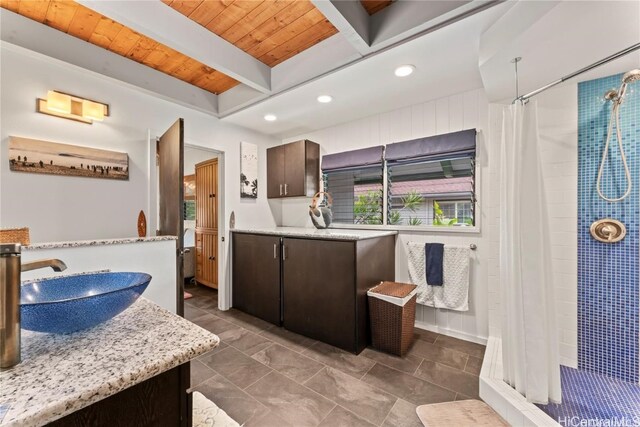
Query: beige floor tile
{"points": [[237, 367], [471, 348], [403, 414], [288, 362], [349, 363], [450, 378], [288, 339], [244, 340], [235, 402], [446, 356], [362, 399], [407, 387], [290, 401], [474, 365], [340, 417], [408, 363], [200, 372]]}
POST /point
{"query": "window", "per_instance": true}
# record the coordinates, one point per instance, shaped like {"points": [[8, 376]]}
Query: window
{"points": [[189, 210], [357, 195], [436, 192], [355, 180], [429, 182]]}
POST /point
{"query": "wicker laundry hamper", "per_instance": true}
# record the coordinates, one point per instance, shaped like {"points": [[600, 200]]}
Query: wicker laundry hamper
{"points": [[392, 310], [15, 235]]}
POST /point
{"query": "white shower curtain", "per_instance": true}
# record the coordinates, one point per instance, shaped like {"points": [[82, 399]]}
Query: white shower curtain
{"points": [[529, 334]]}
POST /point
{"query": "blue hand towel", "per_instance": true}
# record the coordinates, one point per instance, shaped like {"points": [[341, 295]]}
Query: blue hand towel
{"points": [[433, 256]]}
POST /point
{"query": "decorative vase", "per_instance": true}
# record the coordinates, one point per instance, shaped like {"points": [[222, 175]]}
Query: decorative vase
{"points": [[320, 212], [142, 225]]}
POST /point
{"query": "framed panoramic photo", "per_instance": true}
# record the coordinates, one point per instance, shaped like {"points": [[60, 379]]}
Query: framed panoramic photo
{"points": [[248, 170], [52, 158]]}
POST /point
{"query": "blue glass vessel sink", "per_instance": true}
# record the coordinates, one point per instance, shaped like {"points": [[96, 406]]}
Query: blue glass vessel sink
{"points": [[68, 304]]}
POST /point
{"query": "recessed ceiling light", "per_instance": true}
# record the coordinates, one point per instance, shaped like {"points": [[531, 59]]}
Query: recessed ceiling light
{"points": [[325, 99], [270, 117], [404, 70]]}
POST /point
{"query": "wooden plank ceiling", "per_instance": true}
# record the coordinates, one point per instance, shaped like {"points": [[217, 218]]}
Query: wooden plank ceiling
{"points": [[373, 6], [270, 30], [83, 23]]}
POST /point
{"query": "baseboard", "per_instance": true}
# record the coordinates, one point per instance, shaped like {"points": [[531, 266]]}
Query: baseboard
{"points": [[451, 333]]}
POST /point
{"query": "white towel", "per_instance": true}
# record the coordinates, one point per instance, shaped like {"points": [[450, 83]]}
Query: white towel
{"points": [[454, 292]]}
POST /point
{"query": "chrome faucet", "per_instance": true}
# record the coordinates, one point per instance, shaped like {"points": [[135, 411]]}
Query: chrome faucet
{"points": [[55, 264], [10, 272]]}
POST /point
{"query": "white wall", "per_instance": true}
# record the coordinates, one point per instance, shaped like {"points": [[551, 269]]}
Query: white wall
{"points": [[70, 208], [461, 111], [193, 156]]}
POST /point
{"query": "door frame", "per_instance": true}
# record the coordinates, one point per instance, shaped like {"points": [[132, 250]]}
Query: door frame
{"points": [[222, 226], [224, 248]]}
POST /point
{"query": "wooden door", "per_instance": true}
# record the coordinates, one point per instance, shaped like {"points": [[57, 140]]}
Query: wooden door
{"points": [[170, 148], [318, 290], [256, 275], [275, 171], [294, 169], [207, 223]]}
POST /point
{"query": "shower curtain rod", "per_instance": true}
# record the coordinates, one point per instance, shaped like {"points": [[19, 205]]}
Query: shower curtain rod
{"points": [[606, 60]]}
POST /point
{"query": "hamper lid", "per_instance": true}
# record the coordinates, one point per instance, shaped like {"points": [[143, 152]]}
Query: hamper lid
{"points": [[393, 289], [393, 292]]}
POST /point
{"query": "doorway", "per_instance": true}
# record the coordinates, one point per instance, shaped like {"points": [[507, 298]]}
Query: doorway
{"points": [[201, 207]]}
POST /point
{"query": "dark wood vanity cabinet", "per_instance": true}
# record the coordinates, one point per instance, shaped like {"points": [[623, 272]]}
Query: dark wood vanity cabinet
{"points": [[256, 275], [322, 283], [293, 169]]}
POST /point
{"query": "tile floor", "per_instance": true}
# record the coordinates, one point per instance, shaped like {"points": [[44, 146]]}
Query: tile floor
{"points": [[595, 399], [262, 375]]}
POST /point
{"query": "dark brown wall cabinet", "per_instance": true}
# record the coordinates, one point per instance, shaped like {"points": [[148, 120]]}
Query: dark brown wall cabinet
{"points": [[313, 287], [293, 169]]}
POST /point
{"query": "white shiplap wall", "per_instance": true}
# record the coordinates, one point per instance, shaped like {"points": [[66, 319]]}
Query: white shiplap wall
{"points": [[457, 112]]}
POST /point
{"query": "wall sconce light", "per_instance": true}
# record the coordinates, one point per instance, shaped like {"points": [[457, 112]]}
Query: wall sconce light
{"points": [[67, 106]]}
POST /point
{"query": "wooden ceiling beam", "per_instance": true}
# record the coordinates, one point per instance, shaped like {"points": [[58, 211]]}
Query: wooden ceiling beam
{"points": [[23, 34], [176, 31], [351, 19]]}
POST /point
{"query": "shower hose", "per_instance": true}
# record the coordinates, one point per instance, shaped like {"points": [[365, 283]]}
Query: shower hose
{"points": [[615, 116]]}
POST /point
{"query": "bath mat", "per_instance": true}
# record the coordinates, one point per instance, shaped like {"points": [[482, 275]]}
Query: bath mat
{"points": [[461, 413], [207, 414], [187, 295]]}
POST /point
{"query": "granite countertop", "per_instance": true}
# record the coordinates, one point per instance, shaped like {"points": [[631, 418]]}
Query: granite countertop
{"points": [[79, 243], [61, 374], [314, 233]]}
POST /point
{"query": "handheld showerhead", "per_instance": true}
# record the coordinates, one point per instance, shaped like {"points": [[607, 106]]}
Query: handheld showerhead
{"points": [[631, 76], [627, 79]]}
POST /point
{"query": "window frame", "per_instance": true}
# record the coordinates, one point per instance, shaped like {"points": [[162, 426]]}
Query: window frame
{"points": [[475, 229]]}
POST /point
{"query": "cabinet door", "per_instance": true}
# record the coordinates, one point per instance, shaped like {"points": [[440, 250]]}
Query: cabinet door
{"points": [[319, 290], [275, 172], [206, 195], [294, 169], [210, 244], [256, 275]]}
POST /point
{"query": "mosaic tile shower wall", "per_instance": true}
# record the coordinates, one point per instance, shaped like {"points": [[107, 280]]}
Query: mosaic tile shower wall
{"points": [[608, 274]]}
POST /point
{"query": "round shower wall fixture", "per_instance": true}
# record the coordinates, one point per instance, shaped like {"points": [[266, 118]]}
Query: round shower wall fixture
{"points": [[608, 230]]}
